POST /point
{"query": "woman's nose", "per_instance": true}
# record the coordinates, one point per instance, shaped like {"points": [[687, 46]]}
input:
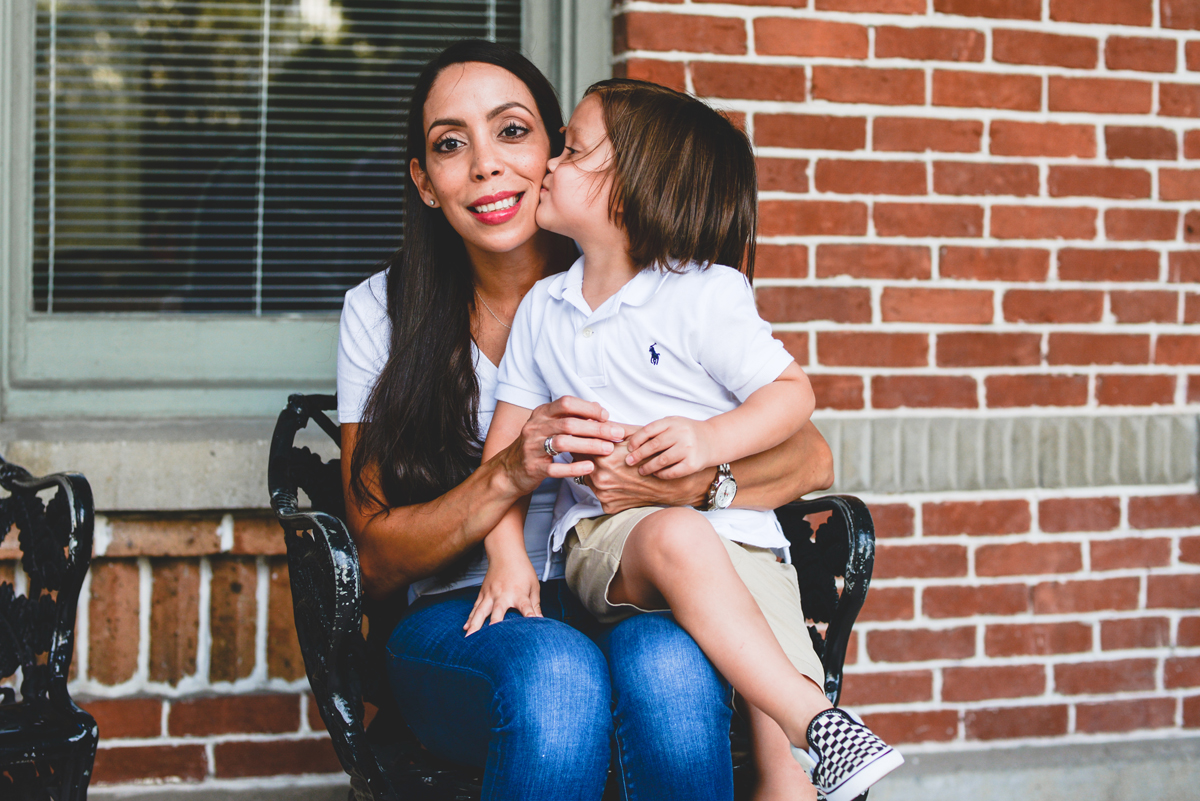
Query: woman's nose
{"points": [[487, 163]]}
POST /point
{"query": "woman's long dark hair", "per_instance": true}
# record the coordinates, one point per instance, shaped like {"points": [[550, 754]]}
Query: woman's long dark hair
{"points": [[420, 424]]}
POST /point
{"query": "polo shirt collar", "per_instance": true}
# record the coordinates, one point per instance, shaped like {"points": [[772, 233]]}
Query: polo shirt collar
{"points": [[639, 289]]}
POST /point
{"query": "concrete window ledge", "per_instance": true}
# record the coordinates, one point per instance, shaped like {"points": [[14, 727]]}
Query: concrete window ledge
{"points": [[205, 464], [157, 465]]}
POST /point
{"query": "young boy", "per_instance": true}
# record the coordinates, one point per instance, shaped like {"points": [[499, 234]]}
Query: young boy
{"points": [[659, 191]]}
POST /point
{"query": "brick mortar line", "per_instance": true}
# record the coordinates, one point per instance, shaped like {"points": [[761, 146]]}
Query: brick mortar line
{"points": [[994, 68], [1168, 246], [131, 790], [978, 373], [1048, 699], [145, 601], [984, 285], [884, 668], [1033, 494], [1055, 246], [1021, 660], [1035, 537], [1022, 701], [999, 69], [262, 599], [1049, 741], [958, 113], [983, 659], [899, 327], [168, 692], [1085, 202], [929, 157], [986, 412], [930, 19], [990, 285], [215, 739], [1026, 618], [989, 202]]}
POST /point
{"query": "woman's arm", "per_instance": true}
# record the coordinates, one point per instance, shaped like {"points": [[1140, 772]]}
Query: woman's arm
{"points": [[400, 545], [799, 465]]}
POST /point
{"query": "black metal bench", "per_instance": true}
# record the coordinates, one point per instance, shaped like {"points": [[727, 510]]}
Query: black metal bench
{"points": [[385, 762], [47, 743]]}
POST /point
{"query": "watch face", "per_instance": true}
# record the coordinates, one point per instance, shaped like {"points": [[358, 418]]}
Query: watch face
{"points": [[724, 494]]}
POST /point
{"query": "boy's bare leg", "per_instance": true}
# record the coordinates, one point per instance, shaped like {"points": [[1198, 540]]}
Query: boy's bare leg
{"points": [[674, 558], [780, 777]]}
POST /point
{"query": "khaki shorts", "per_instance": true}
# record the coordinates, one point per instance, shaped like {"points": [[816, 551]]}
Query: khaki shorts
{"points": [[593, 550]]}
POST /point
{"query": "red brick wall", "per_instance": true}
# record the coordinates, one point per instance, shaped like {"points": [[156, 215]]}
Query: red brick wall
{"points": [[981, 207], [965, 203], [1030, 615], [186, 653]]}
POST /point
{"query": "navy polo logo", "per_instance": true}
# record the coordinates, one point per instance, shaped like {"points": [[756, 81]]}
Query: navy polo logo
{"points": [[653, 354]]}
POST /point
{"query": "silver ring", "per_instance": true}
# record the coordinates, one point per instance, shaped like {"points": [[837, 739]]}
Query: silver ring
{"points": [[548, 446], [578, 480]]}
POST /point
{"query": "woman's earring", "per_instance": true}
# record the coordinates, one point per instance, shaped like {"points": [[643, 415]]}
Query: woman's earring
{"points": [[430, 202]]}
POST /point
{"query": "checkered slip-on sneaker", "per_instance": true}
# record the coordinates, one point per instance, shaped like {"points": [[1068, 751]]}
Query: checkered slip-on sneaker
{"points": [[844, 758]]}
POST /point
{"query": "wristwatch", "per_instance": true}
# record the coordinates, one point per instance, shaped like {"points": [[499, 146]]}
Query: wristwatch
{"points": [[722, 490]]}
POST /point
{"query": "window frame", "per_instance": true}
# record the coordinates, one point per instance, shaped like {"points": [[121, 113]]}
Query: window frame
{"points": [[97, 365]]}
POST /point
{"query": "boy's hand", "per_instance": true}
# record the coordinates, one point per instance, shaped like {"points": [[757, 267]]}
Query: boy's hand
{"points": [[508, 584], [672, 447]]}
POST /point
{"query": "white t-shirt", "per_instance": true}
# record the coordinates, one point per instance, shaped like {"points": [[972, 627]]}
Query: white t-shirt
{"points": [[688, 344], [363, 344]]}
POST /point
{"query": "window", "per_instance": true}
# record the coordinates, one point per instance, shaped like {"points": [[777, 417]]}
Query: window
{"points": [[193, 185]]}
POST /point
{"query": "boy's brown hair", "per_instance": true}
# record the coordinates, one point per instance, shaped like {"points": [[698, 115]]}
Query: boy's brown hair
{"points": [[684, 185]]}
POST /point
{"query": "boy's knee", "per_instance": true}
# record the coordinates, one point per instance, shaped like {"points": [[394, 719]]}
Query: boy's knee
{"points": [[677, 535]]}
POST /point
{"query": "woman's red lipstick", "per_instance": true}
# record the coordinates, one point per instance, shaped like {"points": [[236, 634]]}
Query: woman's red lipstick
{"points": [[496, 216]]}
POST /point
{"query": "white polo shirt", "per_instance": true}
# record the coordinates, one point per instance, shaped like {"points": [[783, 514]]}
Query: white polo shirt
{"points": [[687, 344]]}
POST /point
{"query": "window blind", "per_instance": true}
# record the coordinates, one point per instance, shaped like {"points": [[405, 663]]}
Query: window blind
{"points": [[232, 156]]}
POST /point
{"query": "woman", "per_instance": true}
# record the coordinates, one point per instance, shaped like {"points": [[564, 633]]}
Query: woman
{"points": [[532, 699]]}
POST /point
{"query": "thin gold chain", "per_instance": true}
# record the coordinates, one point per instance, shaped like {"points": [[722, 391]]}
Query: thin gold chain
{"points": [[489, 309]]}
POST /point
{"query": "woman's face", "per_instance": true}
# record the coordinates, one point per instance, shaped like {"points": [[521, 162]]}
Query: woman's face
{"points": [[486, 149]]}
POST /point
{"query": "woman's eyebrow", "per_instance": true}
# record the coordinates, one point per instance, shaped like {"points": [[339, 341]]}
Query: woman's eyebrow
{"points": [[496, 112]]}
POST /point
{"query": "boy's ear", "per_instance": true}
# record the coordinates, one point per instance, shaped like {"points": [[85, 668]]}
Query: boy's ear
{"points": [[421, 179]]}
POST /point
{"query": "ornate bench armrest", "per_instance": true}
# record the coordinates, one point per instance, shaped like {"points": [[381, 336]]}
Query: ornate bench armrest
{"points": [[844, 545]]}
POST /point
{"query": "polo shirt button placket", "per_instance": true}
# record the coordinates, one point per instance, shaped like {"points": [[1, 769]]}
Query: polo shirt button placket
{"points": [[589, 358]]}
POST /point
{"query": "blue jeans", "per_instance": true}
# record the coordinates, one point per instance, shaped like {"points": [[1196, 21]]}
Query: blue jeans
{"points": [[534, 701]]}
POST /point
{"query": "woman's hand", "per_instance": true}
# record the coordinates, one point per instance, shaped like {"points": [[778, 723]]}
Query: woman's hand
{"points": [[619, 486], [509, 584], [572, 425]]}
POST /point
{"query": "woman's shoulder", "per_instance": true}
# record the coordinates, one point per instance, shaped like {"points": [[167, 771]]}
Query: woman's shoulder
{"points": [[365, 313], [367, 301], [370, 296]]}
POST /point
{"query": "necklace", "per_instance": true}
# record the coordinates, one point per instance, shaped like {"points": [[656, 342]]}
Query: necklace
{"points": [[489, 309]]}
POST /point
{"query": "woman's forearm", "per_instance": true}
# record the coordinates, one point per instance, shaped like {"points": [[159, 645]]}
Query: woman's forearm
{"points": [[801, 464], [400, 545], [797, 466]]}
